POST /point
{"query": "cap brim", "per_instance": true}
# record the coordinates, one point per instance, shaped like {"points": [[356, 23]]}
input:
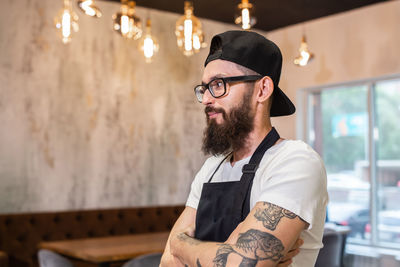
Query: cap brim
{"points": [[281, 104]]}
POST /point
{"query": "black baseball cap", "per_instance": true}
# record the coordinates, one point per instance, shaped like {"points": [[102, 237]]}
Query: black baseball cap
{"points": [[255, 52]]}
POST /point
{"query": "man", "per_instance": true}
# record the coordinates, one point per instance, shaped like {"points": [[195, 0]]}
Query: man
{"points": [[258, 193]]}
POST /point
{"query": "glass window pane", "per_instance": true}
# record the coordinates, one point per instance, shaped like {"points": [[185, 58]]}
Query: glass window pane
{"points": [[388, 161], [339, 132]]}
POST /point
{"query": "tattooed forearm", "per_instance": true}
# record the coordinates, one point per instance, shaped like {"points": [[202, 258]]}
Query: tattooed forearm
{"points": [[271, 214], [265, 246], [222, 255], [185, 238], [252, 246]]}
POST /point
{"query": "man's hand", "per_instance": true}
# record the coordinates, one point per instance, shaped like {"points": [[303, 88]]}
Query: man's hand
{"points": [[287, 259], [185, 221], [175, 241]]}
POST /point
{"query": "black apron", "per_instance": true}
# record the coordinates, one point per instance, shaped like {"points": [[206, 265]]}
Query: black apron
{"points": [[224, 205]]}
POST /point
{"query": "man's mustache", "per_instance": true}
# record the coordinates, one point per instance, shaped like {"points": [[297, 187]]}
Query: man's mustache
{"points": [[212, 109]]}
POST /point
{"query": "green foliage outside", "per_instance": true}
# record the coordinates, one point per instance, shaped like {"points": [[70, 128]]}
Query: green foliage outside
{"points": [[340, 153]]}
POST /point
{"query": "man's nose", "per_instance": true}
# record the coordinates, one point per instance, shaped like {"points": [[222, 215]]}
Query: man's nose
{"points": [[207, 98]]}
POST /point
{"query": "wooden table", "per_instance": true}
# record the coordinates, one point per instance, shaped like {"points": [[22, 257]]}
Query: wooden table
{"points": [[105, 250]]}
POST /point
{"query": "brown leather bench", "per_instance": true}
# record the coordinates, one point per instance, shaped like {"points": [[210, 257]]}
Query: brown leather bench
{"points": [[3, 259], [21, 233]]}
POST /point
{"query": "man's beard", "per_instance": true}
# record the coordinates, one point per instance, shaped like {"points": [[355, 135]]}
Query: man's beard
{"points": [[231, 135]]}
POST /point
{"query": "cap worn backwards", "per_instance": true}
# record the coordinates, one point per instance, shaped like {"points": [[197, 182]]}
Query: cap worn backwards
{"points": [[255, 52]]}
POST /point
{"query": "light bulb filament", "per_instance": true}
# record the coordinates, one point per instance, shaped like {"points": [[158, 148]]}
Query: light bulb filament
{"points": [[196, 42], [66, 24], [148, 47], [86, 6], [305, 56], [245, 19], [188, 28], [124, 24]]}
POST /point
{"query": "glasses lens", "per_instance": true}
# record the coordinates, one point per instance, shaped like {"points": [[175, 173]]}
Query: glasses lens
{"points": [[217, 87], [199, 91]]}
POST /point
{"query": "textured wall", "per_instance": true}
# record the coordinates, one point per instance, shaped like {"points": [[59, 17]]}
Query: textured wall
{"points": [[90, 124]]}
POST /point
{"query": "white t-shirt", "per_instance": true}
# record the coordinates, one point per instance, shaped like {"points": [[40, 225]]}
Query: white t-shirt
{"points": [[291, 175]]}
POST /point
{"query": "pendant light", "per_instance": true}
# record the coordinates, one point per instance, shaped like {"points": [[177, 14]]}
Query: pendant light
{"points": [[125, 21], [189, 34], [89, 8], [305, 55], [245, 15], [149, 45], [66, 22]]}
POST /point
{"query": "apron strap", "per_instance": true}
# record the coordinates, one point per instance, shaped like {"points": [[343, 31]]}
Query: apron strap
{"points": [[271, 138], [249, 170], [219, 165]]}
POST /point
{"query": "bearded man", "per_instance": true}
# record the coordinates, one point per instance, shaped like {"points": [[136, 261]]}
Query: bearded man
{"points": [[258, 194]]}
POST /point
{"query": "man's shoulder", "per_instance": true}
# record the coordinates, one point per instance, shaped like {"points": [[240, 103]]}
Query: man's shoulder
{"points": [[295, 147], [293, 152]]}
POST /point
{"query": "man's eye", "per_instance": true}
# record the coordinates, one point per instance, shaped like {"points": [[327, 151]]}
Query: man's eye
{"points": [[217, 84]]}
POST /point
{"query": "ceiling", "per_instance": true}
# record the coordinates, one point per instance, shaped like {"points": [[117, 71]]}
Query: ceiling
{"points": [[270, 14]]}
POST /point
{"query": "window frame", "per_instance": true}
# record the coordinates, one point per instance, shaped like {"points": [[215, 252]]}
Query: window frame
{"points": [[305, 120]]}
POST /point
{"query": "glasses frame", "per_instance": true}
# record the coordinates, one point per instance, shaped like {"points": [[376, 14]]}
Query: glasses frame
{"points": [[225, 80]]}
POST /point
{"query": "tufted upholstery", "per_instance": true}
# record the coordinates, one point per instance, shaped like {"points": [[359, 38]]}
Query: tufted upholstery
{"points": [[3, 259], [20, 233]]}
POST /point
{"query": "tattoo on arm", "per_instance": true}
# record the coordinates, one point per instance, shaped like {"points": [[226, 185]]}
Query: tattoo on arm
{"points": [[254, 245], [260, 245], [222, 255], [185, 238], [271, 214]]}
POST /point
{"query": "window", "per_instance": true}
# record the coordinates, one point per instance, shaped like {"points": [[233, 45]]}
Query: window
{"points": [[355, 127]]}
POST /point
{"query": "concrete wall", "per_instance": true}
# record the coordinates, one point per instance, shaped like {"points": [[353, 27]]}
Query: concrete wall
{"points": [[92, 125]]}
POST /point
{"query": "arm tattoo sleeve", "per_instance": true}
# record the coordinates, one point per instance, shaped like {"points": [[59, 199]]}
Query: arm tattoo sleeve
{"points": [[271, 214], [252, 246]]}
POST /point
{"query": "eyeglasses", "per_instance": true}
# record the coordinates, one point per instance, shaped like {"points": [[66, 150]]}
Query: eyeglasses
{"points": [[217, 86]]}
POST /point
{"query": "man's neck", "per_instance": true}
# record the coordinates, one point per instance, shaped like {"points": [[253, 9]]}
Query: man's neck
{"points": [[253, 140]]}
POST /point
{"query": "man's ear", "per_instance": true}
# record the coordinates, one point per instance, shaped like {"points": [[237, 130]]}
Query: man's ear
{"points": [[265, 89]]}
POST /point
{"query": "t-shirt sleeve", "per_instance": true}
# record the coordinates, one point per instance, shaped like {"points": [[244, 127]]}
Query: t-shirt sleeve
{"points": [[296, 181], [195, 193], [197, 184]]}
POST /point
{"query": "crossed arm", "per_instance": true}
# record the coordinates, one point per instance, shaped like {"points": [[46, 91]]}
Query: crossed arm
{"points": [[262, 239]]}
